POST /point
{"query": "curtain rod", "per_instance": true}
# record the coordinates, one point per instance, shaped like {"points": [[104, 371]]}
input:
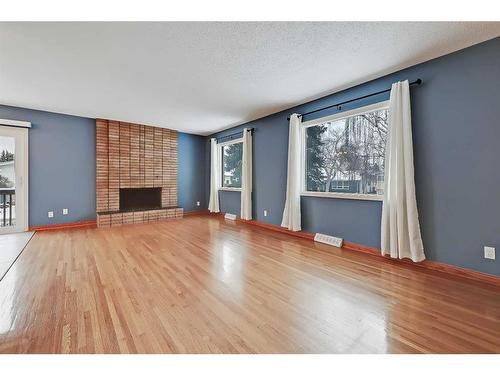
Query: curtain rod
{"points": [[417, 82], [233, 134]]}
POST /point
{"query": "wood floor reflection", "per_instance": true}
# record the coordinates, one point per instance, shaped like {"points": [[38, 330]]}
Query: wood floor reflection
{"points": [[203, 285]]}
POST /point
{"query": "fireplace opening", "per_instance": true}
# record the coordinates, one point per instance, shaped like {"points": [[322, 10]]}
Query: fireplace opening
{"points": [[134, 199]]}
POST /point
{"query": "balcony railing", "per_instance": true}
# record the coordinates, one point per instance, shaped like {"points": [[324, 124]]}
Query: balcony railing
{"points": [[7, 207]]}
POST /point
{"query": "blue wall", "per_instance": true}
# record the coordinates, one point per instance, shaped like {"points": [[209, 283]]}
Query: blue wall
{"points": [[456, 130], [191, 172], [61, 165]]}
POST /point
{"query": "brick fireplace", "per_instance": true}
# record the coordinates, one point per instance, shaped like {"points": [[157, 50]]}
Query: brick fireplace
{"points": [[136, 173]]}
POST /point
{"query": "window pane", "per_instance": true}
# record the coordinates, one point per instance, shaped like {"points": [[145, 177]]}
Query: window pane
{"points": [[347, 156], [7, 182], [231, 161]]}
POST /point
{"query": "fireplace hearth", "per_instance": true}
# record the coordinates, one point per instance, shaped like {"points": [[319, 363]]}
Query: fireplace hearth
{"points": [[135, 199]]}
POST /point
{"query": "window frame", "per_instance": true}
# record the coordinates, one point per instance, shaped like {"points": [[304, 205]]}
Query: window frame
{"points": [[335, 117], [221, 164]]}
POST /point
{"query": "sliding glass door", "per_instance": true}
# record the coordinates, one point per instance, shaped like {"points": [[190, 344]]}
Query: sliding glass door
{"points": [[13, 179]]}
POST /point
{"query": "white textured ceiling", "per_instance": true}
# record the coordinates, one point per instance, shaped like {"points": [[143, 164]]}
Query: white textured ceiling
{"points": [[207, 76]]}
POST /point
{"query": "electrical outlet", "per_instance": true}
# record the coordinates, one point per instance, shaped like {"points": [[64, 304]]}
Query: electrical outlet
{"points": [[198, 203], [65, 211], [265, 212], [50, 214], [489, 252]]}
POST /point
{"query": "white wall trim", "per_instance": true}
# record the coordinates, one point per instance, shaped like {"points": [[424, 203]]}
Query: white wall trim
{"points": [[221, 169], [229, 189], [337, 116], [364, 197], [19, 124], [26, 174], [20, 136], [231, 142], [342, 115]]}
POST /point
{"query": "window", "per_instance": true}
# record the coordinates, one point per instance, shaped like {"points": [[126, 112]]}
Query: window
{"points": [[232, 153], [344, 154]]}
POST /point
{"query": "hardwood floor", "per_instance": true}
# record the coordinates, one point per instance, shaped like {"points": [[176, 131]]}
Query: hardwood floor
{"points": [[203, 285], [11, 245]]}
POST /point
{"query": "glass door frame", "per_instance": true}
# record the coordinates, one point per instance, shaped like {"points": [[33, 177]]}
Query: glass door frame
{"points": [[20, 135]]}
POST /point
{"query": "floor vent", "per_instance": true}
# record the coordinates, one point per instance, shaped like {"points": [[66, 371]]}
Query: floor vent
{"points": [[230, 216], [329, 240]]}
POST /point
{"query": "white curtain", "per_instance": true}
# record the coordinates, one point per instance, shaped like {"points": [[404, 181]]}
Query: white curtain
{"points": [[291, 213], [400, 227], [246, 176], [213, 205]]}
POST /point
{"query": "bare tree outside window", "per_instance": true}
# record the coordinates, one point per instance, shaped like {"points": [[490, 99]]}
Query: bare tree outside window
{"points": [[347, 155], [232, 162]]}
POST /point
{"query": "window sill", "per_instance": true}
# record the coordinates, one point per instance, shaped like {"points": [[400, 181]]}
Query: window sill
{"points": [[363, 197], [229, 189]]}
